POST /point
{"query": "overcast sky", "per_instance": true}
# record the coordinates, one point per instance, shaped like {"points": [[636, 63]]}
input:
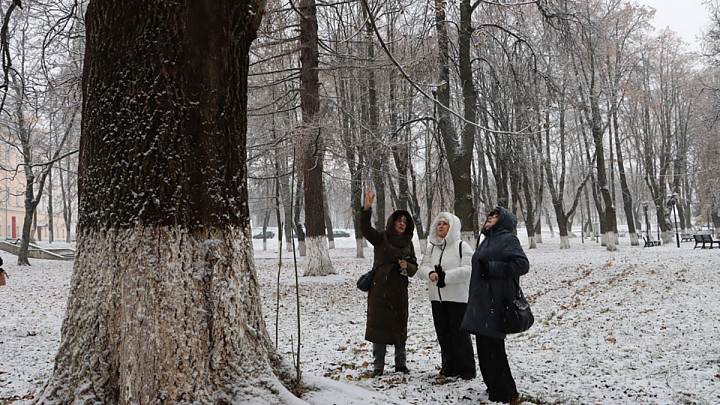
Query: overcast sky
{"points": [[686, 17]]}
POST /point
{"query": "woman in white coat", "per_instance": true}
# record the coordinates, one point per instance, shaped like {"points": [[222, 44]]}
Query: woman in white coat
{"points": [[447, 268]]}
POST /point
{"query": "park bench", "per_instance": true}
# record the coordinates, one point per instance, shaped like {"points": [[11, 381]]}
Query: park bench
{"points": [[703, 239], [686, 237], [650, 243]]}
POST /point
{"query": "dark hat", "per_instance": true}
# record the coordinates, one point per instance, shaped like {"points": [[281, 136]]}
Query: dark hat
{"points": [[495, 211]]}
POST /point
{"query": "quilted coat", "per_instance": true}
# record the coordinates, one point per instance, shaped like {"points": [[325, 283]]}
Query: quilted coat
{"points": [[500, 250]]}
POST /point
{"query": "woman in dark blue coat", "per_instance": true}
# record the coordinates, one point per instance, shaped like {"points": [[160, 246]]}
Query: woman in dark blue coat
{"points": [[496, 262]]}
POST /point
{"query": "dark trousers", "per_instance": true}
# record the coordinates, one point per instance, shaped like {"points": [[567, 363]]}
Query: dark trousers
{"points": [[458, 358], [379, 350], [495, 369]]}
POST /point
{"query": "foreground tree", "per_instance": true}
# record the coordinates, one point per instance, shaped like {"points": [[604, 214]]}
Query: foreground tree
{"points": [[164, 304]]}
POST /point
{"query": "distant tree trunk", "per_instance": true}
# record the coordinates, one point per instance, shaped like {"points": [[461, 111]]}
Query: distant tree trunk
{"points": [[67, 199], [51, 223], [299, 232], [328, 220], [312, 147], [354, 159], [415, 211], [548, 220], [529, 210], [557, 189], [266, 214], [282, 188], [627, 196], [377, 151], [607, 218], [30, 205], [164, 304]]}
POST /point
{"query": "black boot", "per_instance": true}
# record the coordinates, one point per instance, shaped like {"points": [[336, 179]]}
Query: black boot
{"points": [[402, 369]]}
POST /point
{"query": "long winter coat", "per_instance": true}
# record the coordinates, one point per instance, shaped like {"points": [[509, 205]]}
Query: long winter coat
{"points": [[446, 252], [505, 258], [387, 305]]}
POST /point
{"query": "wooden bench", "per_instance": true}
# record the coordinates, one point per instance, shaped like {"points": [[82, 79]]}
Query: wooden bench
{"points": [[705, 239], [686, 237], [651, 243]]}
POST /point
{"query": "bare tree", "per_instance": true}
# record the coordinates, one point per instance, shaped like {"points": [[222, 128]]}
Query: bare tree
{"points": [[33, 101]]}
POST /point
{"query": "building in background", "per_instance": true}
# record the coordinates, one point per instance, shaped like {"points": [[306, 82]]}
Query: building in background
{"points": [[12, 202]]}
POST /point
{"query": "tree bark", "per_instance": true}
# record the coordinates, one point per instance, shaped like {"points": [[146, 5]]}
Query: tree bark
{"points": [[627, 196], [66, 201], [51, 223], [457, 149], [607, 218], [164, 304], [312, 146]]}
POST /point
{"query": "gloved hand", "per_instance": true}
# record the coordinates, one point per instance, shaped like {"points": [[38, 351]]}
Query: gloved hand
{"points": [[484, 270], [441, 276]]}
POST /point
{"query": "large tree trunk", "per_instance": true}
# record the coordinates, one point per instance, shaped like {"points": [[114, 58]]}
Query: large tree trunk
{"points": [[462, 157], [312, 149], [457, 149], [164, 304]]}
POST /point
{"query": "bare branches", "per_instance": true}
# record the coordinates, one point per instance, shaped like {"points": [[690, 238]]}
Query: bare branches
{"points": [[5, 50]]}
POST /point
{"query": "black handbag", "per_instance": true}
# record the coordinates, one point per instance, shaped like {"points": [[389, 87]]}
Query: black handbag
{"points": [[517, 317], [365, 281]]}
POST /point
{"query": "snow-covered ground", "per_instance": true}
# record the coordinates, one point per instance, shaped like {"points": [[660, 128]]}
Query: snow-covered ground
{"points": [[639, 325]]}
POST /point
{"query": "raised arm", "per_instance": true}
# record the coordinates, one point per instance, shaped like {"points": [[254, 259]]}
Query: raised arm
{"points": [[371, 234]]}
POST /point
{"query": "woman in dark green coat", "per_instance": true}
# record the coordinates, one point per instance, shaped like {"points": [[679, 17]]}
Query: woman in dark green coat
{"points": [[394, 261]]}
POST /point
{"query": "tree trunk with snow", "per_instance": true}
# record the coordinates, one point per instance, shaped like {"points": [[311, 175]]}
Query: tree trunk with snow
{"points": [[564, 242], [312, 148], [164, 304], [51, 223]]}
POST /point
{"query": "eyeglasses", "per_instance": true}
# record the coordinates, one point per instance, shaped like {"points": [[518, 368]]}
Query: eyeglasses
{"points": [[493, 216], [402, 221]]}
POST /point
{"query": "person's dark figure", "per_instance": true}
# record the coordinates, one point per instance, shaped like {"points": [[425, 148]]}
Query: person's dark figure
{"points": [[387, 306], [3, 273], [496, 262]]}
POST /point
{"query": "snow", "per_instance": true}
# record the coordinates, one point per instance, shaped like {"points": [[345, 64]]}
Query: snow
{"points": [[637, 325]]}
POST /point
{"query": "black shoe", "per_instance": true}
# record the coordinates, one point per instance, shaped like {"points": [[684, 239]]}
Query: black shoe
{"points": [[402, 369], [467, 376], [506, 400], [377, 373]]}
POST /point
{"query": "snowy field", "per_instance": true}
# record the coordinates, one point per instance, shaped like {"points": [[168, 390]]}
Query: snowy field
{"points": [[635, 326]]}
